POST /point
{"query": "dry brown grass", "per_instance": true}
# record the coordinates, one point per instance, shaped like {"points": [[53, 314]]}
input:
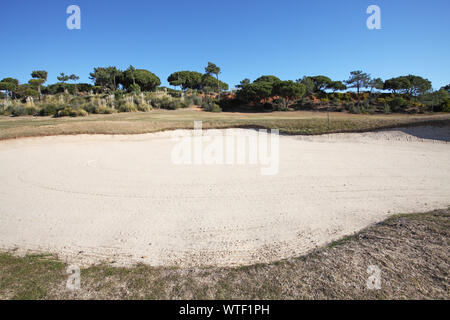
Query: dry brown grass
{"points": [[411, 251], [298, 122]]}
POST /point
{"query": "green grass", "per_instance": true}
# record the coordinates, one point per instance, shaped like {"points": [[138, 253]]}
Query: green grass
{"points": [[30, 277], [341, 241]]}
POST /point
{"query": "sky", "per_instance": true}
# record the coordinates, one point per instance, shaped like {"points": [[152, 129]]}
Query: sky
{"points": [[245, 38]]}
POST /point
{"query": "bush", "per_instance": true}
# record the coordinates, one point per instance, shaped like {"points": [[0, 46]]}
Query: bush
{"points": [[71, 112], [353, 108], [306, 104], [142, 104], [398, 104], [176, 104], [84, 87], [228, 104], [211, 106], [144, 107], [77, 101], [161, 102], [279, 105], [436, 101], [20, 110], [97, 89], [90, 107], [16, 109], [135, 88], [167, 102], [446, 106], [49, 109], [381, 101], [335, 102], [197, 100], [193, 100], [127, 107], [95, 109], [103, 110], [366, 105], [31, 111]]}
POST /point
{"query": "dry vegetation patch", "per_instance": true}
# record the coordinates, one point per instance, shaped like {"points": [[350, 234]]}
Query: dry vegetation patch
{"points": [[410, 250], [296, 122]]}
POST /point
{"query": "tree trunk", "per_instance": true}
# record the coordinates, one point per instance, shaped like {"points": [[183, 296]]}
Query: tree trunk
{"points": [[218, 86], [357, 93]]}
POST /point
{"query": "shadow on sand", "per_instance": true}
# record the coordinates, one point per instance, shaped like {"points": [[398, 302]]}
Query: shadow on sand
{"points": [[436, 132]]}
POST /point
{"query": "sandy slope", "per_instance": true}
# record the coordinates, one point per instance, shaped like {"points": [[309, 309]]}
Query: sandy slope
{"points": [[120, 198]]}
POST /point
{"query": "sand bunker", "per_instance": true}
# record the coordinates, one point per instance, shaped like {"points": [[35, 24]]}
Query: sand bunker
{"points": [[120, 198]]}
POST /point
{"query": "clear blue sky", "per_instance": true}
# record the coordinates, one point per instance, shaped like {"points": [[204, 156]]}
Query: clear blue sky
{"points": [[246, 38]]}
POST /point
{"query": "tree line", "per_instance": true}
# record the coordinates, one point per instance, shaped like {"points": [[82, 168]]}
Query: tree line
{"points": [[110, 79], [262, 91], [269, 86], [270, 92]]}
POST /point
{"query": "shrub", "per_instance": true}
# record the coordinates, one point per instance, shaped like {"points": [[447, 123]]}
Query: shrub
{"points": [[104, 110], [77, 101], [446, 106], [89, 107], [142, 104], [381, 101], [436, 101], [366, 104], [16, 111], [335, 102], [127, 107], [71, 112], [176, 104], [353, 108], [97, 89], [49, 109], [344, 96], [279, 104], [144, 107], [95, 109], [306, 104], [211, 106], [80, 113], [31, 110], [398, 104], [161, 102], [167, 102], [197, 100], [135, 88], [193, 100]]}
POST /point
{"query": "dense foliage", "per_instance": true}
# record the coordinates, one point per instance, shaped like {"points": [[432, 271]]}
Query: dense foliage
{"points": [[115, 90]]}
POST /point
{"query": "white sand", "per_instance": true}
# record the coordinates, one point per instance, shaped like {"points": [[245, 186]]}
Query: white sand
{"points": [[119, 198]]}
